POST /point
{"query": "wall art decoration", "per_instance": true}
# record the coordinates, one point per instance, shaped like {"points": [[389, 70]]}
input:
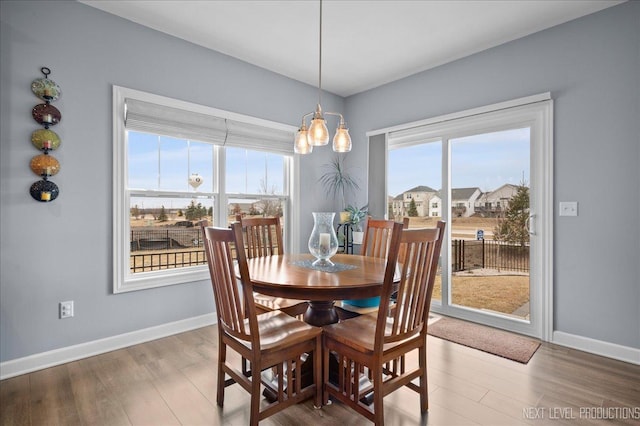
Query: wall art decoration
{"points": [[45, 165]]}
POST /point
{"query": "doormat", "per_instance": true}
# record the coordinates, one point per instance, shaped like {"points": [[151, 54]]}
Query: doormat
{"points": [[487, 339]]}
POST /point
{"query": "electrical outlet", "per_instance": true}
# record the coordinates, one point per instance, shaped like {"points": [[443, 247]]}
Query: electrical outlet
{"points": [[568, 208], [66, 309]]}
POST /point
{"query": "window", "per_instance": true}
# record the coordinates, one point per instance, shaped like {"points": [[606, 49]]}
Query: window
{"points": [[170, 187], [177, 163]]}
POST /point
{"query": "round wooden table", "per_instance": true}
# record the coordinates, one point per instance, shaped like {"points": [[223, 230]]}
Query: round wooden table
{"points": [[278, 276]]}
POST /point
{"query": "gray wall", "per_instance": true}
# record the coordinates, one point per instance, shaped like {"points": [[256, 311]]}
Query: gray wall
{"points": [[58, 251], [591, 66], [62, 250]]}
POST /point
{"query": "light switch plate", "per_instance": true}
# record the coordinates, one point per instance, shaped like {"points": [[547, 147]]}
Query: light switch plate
{"points": [[568, 208]]}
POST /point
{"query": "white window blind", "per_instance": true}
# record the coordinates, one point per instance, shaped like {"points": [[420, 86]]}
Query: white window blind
{"points": [[260, 138], [182, 123]]}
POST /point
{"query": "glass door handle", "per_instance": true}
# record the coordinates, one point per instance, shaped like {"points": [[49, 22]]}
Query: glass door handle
{"points": [[529, 225]]}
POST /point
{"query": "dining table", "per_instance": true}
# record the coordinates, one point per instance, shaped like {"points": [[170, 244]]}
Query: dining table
{"points": [[293, 276]]}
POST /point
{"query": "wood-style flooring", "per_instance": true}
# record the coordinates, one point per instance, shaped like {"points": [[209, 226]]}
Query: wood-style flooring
{"points": [[171, 381]]}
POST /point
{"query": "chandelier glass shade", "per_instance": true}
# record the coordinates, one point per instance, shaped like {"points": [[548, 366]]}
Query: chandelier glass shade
{"points": [[317, 134], [342, 140], [302, 145]]}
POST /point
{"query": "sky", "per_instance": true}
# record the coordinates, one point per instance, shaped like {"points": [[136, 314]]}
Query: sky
{"points": [[486, 161], [248, 172]]}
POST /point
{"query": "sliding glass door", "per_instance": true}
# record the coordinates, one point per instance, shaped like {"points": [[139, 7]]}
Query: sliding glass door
{"points": [[489, 177], [489, 199]]}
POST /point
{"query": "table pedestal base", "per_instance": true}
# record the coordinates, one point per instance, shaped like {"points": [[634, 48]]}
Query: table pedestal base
{"points": [[321, 313]]}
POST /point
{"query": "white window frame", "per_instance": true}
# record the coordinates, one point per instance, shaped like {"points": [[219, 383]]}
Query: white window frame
{"points": [[123, 279]]}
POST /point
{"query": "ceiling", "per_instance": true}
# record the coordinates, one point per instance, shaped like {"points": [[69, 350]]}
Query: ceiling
{"points": [[365, 43]]}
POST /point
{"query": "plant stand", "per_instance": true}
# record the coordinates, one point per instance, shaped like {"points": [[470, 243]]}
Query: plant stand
{"points": [[345, 244]]}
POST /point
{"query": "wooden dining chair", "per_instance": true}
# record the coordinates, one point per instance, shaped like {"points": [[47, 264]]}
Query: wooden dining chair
{"points": [[272, 340], [263, 237], [375, 243], [368, 343]]}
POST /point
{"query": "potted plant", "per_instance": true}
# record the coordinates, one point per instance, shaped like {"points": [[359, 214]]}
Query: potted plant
{"points": [[336, 181], [356, 217]]}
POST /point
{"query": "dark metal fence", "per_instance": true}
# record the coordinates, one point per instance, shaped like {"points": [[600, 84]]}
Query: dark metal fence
{"points": [[469, 254], [166, 260], [155, 248]]}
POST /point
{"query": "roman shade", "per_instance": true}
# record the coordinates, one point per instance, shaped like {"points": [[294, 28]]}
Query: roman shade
{"points": [[182, 123]]}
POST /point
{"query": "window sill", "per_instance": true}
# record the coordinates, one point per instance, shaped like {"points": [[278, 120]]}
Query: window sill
{"points": [[147, 280]]}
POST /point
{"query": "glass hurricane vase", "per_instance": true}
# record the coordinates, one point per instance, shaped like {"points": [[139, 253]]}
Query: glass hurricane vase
{"points": [[323, 242]]}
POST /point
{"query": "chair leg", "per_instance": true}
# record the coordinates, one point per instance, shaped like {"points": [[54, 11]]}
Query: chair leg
{"points": [[254, 417], [378, 396], [222, 358], [325, 373], [318, 360], [424, 386]]}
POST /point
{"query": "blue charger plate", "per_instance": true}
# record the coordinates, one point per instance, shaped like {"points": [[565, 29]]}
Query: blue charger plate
{"points": [[364, 303]]}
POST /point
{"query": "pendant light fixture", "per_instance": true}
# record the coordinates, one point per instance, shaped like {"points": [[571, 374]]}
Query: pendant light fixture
{"points": [[317, 133]]}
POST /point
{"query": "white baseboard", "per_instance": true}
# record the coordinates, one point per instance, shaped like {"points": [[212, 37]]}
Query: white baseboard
{"points": [[47, 359], [598, 347]]}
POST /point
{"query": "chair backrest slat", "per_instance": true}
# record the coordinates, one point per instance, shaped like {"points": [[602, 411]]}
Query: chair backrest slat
{"points": [[234, 304], [377, 237], [416, 252], [263, 236]]}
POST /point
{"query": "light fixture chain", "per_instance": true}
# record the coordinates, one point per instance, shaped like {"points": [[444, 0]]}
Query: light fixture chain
{"points": [[320, 60]]}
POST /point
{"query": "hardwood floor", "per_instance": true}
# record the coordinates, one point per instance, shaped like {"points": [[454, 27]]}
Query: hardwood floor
{"points": [[171, 381]]}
